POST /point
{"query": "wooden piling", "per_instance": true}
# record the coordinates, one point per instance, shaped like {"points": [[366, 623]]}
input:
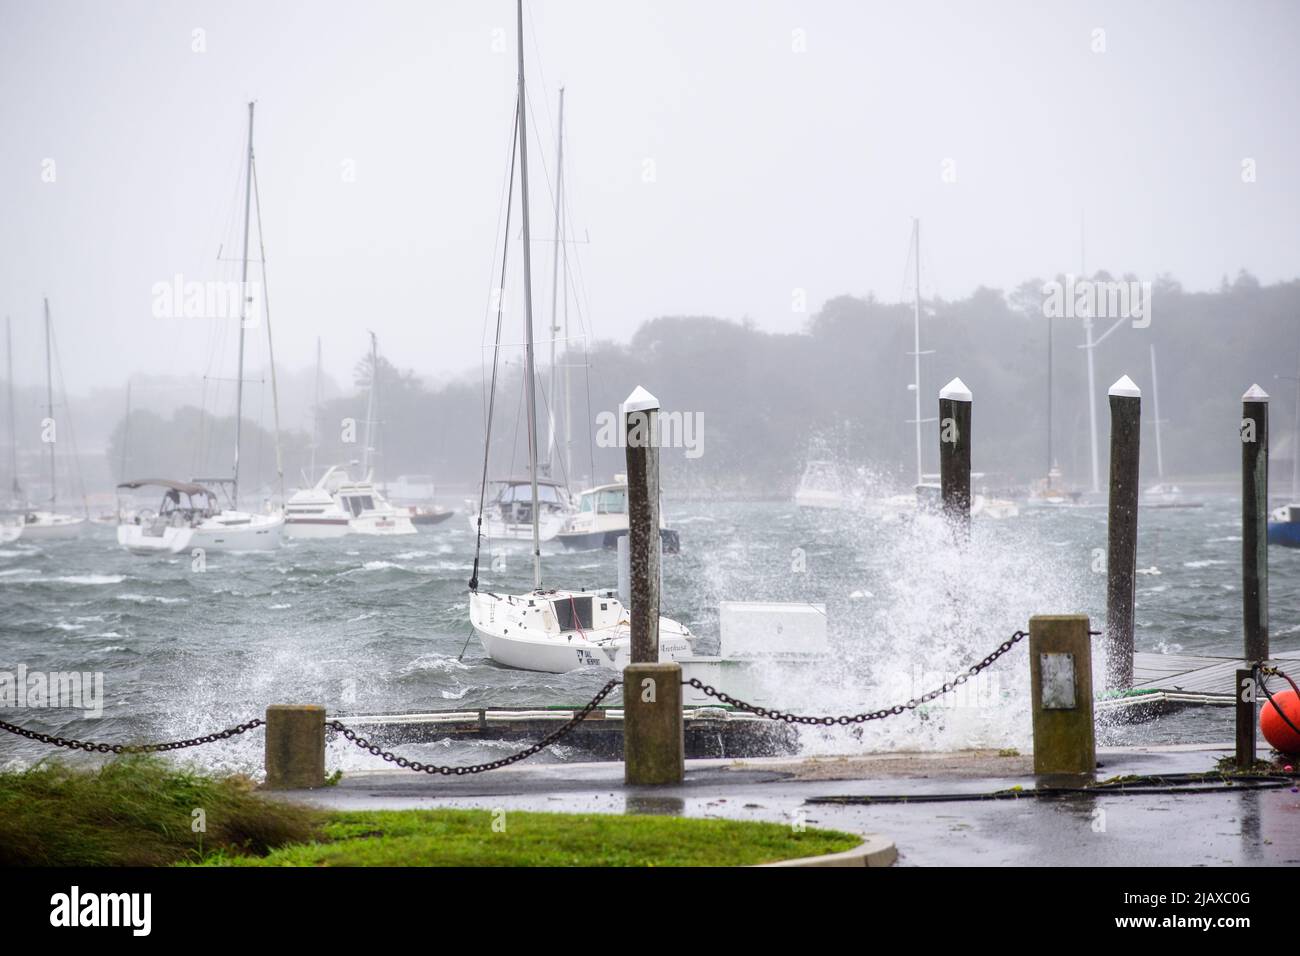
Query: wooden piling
{"points": [[295, 747], [1060, 677], [654, 748], [1121, 531], [1254, 522], [641, 427], [954, 454], [1245, 714]]}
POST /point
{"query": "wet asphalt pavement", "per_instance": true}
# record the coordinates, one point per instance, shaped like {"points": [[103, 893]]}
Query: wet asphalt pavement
{"points": [[1241, 828]]}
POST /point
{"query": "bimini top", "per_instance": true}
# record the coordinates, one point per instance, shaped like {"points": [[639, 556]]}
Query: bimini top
{"points": [[182, 487], [525, 480]]}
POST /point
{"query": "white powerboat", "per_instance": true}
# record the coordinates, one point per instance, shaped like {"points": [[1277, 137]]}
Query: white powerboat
{"points": [[339, 505], [602, 519], [314, 513], [547, 629]]}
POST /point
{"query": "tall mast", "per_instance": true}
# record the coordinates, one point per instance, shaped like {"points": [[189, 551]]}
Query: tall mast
{"points": [[916, 346], [16, 489], [1295, 440], [243, 313], [1050, 456], [49, 401], [370, 404], [531, 381], [315, 415], [555, 274], [1155, 401], [126, 434], [1089, 346]]}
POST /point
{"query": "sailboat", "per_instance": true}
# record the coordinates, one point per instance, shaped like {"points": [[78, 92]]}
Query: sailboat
{"points": [[198, 523], [338, 504], [11, 526], [1162, 495], [1284, 521], [547, 629], [50, 523], [507, 514]]}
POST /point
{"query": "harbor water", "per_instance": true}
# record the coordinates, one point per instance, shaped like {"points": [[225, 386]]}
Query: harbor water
{"points": [[379, 625]]}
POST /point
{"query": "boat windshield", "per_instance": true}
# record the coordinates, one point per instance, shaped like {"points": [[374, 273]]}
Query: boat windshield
{"points": [[547, 494], [612, 502]]}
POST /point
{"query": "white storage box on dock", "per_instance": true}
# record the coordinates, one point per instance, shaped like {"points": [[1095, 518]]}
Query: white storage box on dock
{"points": [[759, 628]]}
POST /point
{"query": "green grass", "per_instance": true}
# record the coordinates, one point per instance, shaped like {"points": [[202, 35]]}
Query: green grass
{"points": [[467, 838], [138, 811]]}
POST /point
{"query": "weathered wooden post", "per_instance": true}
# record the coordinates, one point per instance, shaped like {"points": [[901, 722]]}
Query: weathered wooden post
{"points": [[1121, 531], [654, 750], [954, 454], [1254, 522], [1060, 668], [295, 746], [1245, 718]]}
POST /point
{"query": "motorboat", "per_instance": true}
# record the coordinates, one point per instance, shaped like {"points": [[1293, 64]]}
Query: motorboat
{"points": [[602, 519], [1284, 526], [339, 505]]}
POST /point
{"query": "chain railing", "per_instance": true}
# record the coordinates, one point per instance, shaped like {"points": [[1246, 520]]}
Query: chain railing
{"points": [[846, 719], [92, 747], [552, 738]]}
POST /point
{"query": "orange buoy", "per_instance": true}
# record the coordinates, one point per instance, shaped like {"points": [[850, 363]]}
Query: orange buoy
{"points": [[1276, 732]]}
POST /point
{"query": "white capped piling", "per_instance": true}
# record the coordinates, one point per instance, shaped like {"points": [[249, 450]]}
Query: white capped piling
{"points": [[654, 746], [1121, 530], [641, 428], [1254, 522], [954, 454]]}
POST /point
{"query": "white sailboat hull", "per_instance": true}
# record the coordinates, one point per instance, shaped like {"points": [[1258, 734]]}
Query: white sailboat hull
{"points": [[48, 525], [144, 539], [497, 529], [238, 531], [225, 531], [521, 631]]}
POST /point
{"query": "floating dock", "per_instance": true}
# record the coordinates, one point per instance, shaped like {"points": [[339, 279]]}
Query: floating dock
{"points": [[1163, 683]]}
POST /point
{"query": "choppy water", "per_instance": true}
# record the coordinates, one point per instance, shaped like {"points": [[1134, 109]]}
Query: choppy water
{"points": [[377, 625]]}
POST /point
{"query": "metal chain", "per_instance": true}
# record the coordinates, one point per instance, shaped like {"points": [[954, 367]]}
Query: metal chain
{"points": [[844, 720], [548, 740], [91, 747]]}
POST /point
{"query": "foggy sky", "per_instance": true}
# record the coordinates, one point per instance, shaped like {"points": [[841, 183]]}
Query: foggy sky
{"points": [[776, 170]]}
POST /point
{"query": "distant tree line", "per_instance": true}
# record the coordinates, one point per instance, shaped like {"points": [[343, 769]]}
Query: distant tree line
{"points": [[838, 388]]}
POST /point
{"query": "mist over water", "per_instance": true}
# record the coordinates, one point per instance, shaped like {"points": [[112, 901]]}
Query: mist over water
{"points": [[377, 625]]}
